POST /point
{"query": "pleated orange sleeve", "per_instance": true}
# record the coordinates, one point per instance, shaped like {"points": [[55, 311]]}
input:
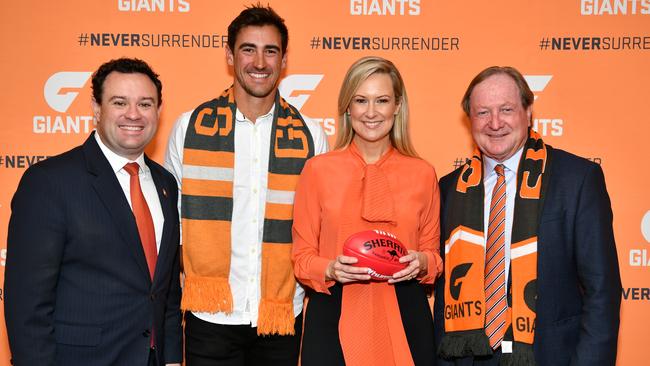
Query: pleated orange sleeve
{"points": [[309, 265], [430, 233]]}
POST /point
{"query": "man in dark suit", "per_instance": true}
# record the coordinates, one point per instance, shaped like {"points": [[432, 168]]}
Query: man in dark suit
{"points": [[531, 271], [92, 274]]}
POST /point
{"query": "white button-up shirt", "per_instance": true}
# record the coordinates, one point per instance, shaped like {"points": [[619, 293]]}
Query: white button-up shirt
{"points": [[146, 184], [489, 181], [252, 148]]}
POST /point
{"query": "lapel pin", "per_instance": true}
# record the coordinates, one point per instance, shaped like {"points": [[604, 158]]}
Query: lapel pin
{"points": [[164, 192]]}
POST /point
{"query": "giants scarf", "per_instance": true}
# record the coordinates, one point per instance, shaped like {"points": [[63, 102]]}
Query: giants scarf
{"points": [[465, 259], [207, 203]]}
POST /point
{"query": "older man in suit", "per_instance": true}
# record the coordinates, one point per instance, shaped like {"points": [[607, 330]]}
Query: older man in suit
{"points": [[531, 272], [92, 275]]}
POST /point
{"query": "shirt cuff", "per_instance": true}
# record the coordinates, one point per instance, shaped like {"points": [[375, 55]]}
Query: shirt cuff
{"points": [[317, 275]]}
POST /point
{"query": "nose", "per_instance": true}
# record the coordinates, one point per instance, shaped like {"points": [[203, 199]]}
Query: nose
{"points": [[495, 121], [132, 112], [371, 110], [259, 60]]}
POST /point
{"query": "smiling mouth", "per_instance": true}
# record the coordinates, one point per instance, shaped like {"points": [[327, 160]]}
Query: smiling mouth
{"points": [[256, 75], [131, 128], [372, 124]]}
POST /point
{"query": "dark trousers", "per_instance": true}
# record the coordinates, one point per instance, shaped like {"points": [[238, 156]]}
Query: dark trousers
{"points": [[208, 344]]}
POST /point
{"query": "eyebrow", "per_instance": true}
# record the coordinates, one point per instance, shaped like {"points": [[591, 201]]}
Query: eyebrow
{"points": [[379, 96], [139, 100], [266, 47]]}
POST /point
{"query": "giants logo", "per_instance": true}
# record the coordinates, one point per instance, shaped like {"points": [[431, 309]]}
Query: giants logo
{"points": [[524, 323], [537, 83], [614, 7], [291, 87], [455, 277], [290, 139], [470, 176], [58, 96], [209, 124], [532, 179], [640, 257], [298, 82], [52, 91], [182, 6], [463, 309], [384, 7], [544, 126]]}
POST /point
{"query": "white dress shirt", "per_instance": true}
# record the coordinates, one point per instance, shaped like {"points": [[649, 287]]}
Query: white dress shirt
{"points": [[252, 147], [489, 181], [146, 184]]}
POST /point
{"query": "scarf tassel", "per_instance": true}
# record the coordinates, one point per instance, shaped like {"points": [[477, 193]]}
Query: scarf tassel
{"points": [[206, 294], [275, 318], [463, 344], [522, 355]]}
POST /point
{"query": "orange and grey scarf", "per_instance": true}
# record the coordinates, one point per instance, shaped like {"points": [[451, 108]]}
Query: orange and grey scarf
{"points": [[207, 204], [465, 259]]}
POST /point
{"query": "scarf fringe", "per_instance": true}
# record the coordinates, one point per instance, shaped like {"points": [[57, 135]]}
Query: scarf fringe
{"points": [[464, 344], [206, 294], [522, 355], [275, 318]]}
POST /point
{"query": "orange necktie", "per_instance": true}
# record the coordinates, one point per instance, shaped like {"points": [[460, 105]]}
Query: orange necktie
{"points": [[495, 278], [142, 218]]}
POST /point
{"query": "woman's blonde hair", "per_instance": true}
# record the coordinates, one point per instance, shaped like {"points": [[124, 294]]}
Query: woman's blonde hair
{"points": [[356, 75]]}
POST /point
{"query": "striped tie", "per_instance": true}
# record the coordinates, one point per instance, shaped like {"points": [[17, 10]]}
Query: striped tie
{"points": [[495, 279]]}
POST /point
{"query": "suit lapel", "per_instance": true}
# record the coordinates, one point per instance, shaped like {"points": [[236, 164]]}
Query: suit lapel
{"points": [[167, 207], [112, 196]]}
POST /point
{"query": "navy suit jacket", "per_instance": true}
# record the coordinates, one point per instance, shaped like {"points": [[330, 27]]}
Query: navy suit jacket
{"points": [[578, 280], [77, 285]]}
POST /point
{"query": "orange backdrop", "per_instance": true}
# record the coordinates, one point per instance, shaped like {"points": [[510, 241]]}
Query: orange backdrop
{"points": [[586, 60]]}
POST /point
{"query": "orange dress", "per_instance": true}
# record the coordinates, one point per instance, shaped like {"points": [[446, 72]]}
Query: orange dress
{"points": [[338, 194]]}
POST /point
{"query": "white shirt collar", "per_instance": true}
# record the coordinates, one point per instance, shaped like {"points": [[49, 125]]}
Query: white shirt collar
{"points": [[512, 163], [239, 116], [117, 162]]}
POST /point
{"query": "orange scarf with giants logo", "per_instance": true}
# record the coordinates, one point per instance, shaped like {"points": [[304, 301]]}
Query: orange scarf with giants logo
{"points": [[207, 203], [464, 309]]}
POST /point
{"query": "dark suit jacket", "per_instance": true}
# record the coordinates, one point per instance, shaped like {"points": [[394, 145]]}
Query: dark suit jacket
{"points": [[579, 285], [77, 286]]}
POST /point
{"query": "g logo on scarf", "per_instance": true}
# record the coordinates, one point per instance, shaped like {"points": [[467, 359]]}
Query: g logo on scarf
{"points": [[530, 297], [531, 182], [458, 273], [470, 176], [291, 142], [202, 129]]}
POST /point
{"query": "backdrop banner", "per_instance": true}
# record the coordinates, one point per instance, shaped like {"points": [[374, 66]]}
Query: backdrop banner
{"points": [[586, 61]]}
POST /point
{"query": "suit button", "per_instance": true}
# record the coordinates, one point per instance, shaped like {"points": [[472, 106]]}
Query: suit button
{"points": [[152, 297], [146, 333]]}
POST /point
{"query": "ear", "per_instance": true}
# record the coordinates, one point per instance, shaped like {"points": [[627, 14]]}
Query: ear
{"points": [[284, 60], [529, 114], [230, 58], [97, 109]]}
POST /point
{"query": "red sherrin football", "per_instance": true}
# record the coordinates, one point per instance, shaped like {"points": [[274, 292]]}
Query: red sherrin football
{"points": [[378, 250]]}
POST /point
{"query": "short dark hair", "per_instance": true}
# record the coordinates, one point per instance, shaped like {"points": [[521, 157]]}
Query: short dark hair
{"points": [[125, 66], [527, 96], [257, 15]]}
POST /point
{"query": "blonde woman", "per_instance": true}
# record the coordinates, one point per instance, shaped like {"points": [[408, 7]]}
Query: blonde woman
{"points": [[372, 180]]}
